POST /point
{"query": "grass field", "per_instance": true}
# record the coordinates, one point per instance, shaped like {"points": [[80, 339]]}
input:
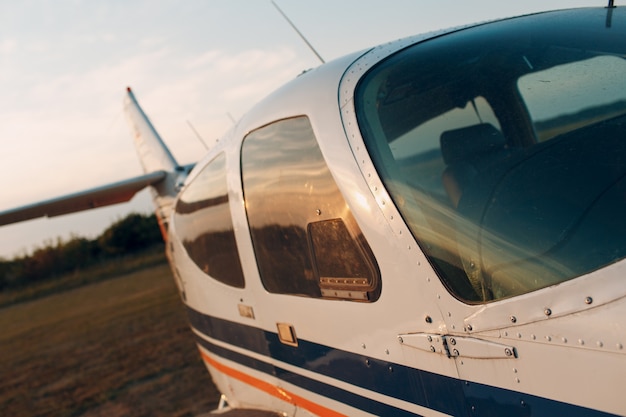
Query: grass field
{"points": [[120, 347]]}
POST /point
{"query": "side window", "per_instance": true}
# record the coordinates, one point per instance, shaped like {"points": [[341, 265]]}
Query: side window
{"points": [[203, 222], [567, 97], [305, 238]]}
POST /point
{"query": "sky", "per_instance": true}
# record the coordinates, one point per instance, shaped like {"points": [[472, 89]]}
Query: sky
{"points": [[65, 65]]}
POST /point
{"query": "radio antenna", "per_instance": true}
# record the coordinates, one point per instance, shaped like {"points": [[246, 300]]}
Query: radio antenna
{"points": [[609, 13], [198, 135], [299, 33]]}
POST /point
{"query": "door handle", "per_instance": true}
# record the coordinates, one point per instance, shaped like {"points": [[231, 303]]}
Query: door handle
{"points": [[461, 346]]}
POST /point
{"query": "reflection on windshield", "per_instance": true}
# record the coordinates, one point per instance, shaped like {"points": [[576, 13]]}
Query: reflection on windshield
{"points": [[569, 96]]}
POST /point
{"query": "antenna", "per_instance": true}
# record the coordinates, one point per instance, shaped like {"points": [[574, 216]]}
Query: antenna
{"points": [[299, 33], [609, 13], [198, 135]]}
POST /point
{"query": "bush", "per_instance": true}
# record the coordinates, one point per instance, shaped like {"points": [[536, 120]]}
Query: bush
{"points": [[129, 235]]}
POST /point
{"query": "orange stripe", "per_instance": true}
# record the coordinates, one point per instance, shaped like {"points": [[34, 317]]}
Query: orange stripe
{"points": [[272, 390], [161, 227]]}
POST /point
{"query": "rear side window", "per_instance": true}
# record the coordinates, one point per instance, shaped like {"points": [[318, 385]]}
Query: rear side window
{"points": [[203, 223], [305, 239]]}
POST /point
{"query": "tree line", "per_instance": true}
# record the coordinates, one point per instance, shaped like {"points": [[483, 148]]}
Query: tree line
{"points": [[129, 235]]}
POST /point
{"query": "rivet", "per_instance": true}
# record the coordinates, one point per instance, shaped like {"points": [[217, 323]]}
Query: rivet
{"points": [[619, 346], [469, 327], [515, 370], [532, 336], [517, 380], [548, 338], [428, 319], [508, 352], [400, 339], [452, 341], [519, 335], [564, 339], [390, 369], [588, 300], [506, 333], [429, 338], [547, 312], [367, 362], [455, 352], [432, 348], [319, 212], [581, 342], [363, 345], [599, 343], [522, 403], [513, 319], [387, 351]]}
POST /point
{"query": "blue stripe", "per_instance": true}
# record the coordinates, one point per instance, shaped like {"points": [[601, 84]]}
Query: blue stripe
{"points": [[309, 384], [438, 392]]}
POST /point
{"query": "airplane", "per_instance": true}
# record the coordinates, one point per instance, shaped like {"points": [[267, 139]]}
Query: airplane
{"points": [[434, 227]]}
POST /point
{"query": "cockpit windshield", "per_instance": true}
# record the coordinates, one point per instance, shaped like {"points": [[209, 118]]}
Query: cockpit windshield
{"points": [[504, 148]]}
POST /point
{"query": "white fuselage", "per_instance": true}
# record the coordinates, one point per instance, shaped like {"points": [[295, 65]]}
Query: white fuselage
{"points": [[416, 349]]}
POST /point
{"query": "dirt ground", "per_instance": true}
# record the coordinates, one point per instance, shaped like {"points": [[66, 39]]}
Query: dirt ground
{"points": [[120, 347]]}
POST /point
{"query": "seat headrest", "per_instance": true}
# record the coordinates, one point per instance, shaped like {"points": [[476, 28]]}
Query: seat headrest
{"points": [[470, 142]]}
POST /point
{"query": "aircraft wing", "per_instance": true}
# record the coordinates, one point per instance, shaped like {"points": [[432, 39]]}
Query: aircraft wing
{"points": [[117, 192]]}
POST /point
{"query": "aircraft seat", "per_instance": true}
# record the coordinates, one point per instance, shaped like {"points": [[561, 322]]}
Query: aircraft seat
{"points": [[464, 151]]}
